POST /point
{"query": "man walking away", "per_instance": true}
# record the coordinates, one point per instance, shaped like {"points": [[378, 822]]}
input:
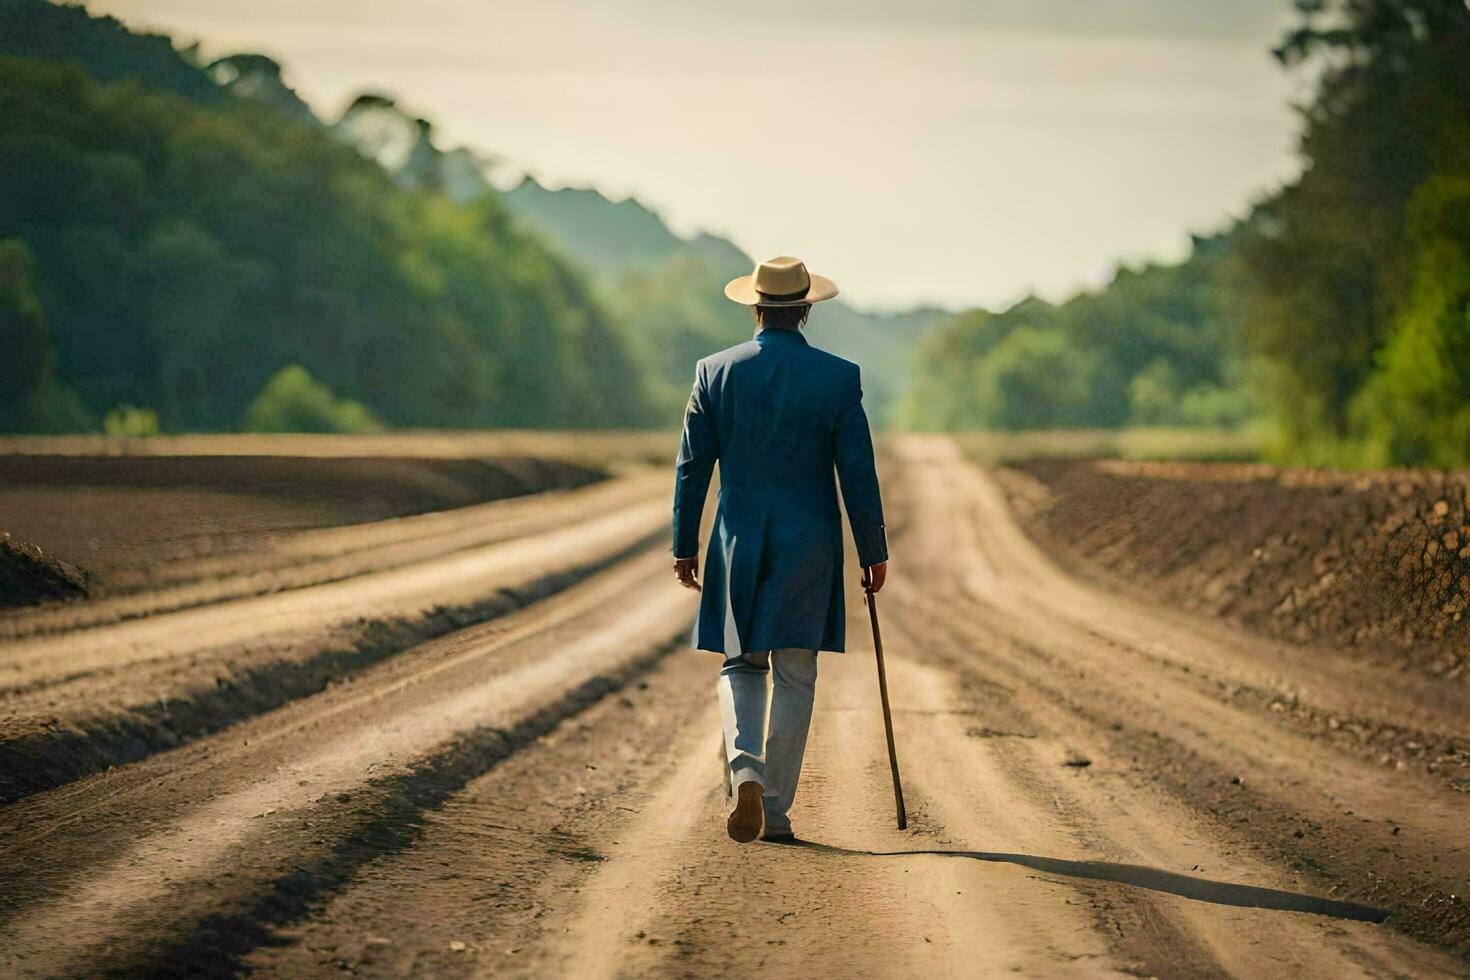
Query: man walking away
{"points": [[779, 416]]}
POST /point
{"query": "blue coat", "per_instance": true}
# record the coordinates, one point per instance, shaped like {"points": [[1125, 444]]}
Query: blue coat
{"points": [[777, 415]]}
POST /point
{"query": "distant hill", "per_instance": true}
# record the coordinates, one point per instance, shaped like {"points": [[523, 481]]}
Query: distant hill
{"points": [[672, 288], [667, 288], [659, 280], [611, 238]]}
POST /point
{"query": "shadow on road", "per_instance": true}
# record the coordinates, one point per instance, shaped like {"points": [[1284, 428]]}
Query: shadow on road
{"points": [[1186, 886]]}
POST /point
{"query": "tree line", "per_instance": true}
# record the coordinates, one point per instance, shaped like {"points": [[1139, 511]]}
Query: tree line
{"points": [[1339, 309], [187, 246], [1151, 349], [174, 253], [166, 246]]}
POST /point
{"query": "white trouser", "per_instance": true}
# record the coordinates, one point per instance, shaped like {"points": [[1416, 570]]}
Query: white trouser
{"points": [[766, 726]]}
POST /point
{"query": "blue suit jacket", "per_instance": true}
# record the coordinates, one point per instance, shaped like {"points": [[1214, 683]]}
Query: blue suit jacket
{"points": [[778, 416]]}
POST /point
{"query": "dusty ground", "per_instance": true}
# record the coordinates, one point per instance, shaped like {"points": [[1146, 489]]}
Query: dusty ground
{"points": [[28, 576], [1376, 564], [1097, 785], [124, 518]]}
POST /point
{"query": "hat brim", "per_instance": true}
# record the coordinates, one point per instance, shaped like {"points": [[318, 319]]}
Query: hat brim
{"points": [[741, 289]]}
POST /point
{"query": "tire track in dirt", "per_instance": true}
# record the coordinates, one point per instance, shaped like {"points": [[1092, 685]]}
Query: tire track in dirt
{"points": [[1386, 715], [1151, 854], [414, 589], [499, 860], [1056, 643], [84, 700], [540, 796], [1014, 861], [330, 554], [665, 894], [260, 803]]}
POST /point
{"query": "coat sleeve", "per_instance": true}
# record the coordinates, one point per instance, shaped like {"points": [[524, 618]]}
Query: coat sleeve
{"points": [[853, 449], [698, 450]]}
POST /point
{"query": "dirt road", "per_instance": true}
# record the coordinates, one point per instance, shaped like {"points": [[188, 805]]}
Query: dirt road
{"points": [[1096, 786]]}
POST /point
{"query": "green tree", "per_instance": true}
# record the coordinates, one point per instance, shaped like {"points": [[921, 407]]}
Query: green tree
{"points": [[293, 401], [1415, 409], [1324, 266], [31, 397], [672, 323], [1153, 394], [1152, 348], [108, 50], [1034, 380], [28, 355], [186, 248], [129, 422]]}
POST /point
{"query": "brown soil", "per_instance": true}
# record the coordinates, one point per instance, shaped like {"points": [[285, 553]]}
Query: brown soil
{"points": [[29, 575], [593, 448], [87, 686], [539, 794], [119, 516], [1377, 564]]}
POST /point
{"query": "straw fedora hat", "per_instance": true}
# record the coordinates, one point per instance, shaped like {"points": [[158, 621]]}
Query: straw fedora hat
{"points": [[782, 281]]}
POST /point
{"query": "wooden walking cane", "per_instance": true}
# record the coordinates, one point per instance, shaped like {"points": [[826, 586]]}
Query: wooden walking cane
{"points": [[903, 819]]}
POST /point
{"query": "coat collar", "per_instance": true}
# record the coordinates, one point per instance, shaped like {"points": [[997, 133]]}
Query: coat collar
{"points": [[777, 335]]}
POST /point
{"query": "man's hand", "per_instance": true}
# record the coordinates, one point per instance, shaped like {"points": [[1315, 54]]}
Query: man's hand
{"points": [[687, 571], [874, 576]]}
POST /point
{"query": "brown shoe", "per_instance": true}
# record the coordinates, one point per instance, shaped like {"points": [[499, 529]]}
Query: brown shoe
{"points": [[745, 820]]}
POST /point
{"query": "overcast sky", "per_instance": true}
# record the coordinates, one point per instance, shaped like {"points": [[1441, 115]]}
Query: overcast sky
{"points": [[959, 152]]}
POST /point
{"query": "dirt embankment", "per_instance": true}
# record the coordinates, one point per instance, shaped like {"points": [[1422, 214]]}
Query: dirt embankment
{"points": [[28, 575], [118, 516], [1377, 562]]}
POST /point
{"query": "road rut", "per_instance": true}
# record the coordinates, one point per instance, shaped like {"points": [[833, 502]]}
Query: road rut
{"points": [[539, 795]]}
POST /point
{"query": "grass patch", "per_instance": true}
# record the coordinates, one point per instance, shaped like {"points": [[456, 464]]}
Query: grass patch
{"points": [[1173, 444]]}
